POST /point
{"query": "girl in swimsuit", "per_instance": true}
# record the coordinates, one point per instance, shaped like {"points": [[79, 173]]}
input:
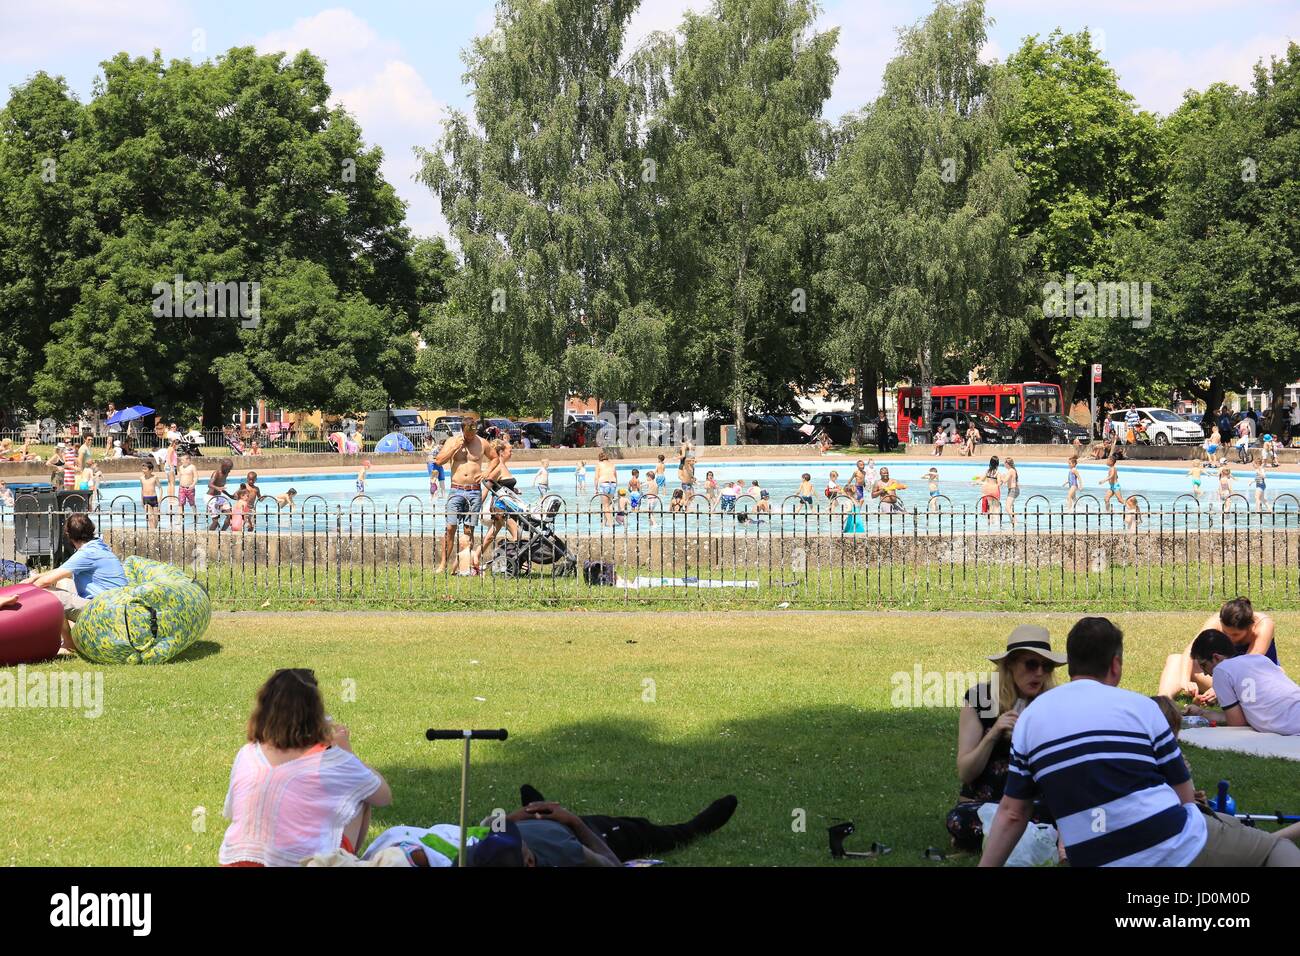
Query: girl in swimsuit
{"points": [[1072, 482], [1259, 485], [1112, 480], [1012, 480], [932, 478], [1225, 486]]}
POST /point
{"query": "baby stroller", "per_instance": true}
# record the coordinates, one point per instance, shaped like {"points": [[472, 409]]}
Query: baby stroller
{"points": [[538, 544]]}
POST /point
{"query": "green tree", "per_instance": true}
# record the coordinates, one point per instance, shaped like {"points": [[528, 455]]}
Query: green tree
{"points": [[1093, 166], [924, 257], [738, 144], [218, 172], [537, 194]]}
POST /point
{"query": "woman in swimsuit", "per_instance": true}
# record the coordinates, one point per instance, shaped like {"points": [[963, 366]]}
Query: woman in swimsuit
{"points": [[991, 491], [1012, 480]]}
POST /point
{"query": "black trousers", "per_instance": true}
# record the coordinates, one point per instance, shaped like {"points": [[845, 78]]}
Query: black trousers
{"points": [[632, 838]]}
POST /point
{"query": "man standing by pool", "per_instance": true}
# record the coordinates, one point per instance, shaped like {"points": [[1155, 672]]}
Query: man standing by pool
{"points": [[471, 459]]}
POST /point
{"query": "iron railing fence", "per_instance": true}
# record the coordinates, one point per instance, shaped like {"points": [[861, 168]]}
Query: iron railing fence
{"points": [[322, 555]]}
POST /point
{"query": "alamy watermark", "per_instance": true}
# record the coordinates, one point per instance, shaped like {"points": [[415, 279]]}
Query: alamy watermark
{"points": [[214, 300], [1106, 300], [654, 429], [71, 690], [922, 688]]}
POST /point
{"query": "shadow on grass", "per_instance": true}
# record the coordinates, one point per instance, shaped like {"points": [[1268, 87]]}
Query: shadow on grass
{"points": [[793, 773], [198, 651]]}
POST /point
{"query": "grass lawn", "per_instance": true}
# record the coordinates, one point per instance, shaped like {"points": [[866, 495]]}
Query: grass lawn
{"points": [[629, 713]]}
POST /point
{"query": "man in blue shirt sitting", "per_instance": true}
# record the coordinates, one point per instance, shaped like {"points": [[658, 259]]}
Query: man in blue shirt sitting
{"points": [[93, 570]]}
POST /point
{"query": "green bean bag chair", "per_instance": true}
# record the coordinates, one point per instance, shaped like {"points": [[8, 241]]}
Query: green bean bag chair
{"points": [[159, 613]]}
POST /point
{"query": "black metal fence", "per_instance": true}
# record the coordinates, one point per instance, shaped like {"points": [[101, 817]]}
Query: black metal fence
{"points": [[557, 555]]}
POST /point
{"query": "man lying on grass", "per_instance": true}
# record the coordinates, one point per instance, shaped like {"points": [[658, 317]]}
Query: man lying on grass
{"points": [[1106, 763], [1252, 690], [543, 833]]}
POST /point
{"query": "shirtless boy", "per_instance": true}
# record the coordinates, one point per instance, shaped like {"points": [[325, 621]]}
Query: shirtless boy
{"points": [[188, 479]]}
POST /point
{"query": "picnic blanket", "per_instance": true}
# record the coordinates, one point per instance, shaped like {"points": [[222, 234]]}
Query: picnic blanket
{"points": [[648, 582], [1243, 740]]}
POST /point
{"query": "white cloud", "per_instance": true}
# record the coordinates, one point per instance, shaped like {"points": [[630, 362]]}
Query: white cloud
{"points": [[389, 98], [37, 34], [1157, 76]]}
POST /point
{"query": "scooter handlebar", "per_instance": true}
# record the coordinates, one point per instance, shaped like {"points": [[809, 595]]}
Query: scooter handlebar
{"points": [[463, 734]]}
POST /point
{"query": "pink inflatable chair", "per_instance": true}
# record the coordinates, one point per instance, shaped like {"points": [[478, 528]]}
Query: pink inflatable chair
{"points": [[30, 627]]}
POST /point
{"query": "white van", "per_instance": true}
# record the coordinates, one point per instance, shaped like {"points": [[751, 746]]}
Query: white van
{"points": [[408, 421]]}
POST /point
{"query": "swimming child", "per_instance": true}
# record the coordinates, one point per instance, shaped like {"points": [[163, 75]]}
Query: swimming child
{"points": [[730, 491], [678, 501], [869, 474], [361, 477], [1225, 485], [806, 492], [286, 500], [661, 478], [833, 485], [634, 489], [1112, 482], [1072, 482], [188, 478], [1195, 474], [149, 493], [239, 509], [764, 499], [932, 486]]}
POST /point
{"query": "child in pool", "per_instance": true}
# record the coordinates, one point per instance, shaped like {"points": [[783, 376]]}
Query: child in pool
{"points": [[1260, 483], [678, 502], [580, 477], [239, 509], [620, 514], [1132, 513], [833, 485], [1195, 475], [149, 493], [542, 480], [634, 489], [361, 477], [286, 500], [1225, 486], [932, 485], [1072, 482], [730, 492], [806, 492], [764, 505]]}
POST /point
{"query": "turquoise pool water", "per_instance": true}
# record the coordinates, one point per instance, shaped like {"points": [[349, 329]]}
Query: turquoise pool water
{"points": [[1042, 486]]}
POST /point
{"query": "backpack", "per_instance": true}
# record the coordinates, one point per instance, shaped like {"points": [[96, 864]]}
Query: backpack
{"points": [[598, 573]]}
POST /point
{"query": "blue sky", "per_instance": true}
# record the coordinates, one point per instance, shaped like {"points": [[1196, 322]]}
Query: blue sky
{"points": [[396, 64]]}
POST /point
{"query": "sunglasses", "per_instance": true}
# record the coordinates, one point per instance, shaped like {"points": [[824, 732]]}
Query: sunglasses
{"points": [[1035, 664]]}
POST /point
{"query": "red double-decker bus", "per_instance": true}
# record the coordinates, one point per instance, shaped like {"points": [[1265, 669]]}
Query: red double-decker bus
{"points": [[1008, 402]]}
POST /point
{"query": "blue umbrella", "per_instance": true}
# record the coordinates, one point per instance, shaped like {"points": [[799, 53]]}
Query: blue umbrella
{"points": [[393, 442], [129, 414]]}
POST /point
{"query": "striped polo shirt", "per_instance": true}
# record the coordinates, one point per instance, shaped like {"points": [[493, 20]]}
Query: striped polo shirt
{"points": [[1105, 762]]}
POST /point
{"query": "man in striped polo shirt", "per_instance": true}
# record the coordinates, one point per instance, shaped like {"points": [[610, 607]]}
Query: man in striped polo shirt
{"points": [[1108, 767]]}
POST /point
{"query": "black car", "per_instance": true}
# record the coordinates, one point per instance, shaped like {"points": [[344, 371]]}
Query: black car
{"points": [[776, 430], [1041, 429], [504, 427], [839, 426], [539, 433], [956, 422]]}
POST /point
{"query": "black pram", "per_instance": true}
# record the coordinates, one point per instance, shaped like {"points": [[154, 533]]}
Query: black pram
{"points": [[538, 544]]}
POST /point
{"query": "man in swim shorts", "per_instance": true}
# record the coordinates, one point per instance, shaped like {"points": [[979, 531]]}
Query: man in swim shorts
{"points": [[470, 457]]}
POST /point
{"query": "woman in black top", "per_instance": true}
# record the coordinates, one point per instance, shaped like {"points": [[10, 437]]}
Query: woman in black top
{"points": [[988, 716]]}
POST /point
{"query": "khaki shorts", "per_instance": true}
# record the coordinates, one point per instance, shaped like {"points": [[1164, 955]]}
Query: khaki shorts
{"points": [[72, 602], [1229, 842]]}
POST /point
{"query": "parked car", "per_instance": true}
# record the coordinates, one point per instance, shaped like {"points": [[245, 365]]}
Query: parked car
{"points": [[1041, 429], [444, 426], [992, 430], [407, 421], [505, 426], [1163, 426], [539, 433], [839, 426]]}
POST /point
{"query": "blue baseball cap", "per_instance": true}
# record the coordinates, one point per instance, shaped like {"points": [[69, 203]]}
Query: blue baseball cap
{"points": [[497, 849]]}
